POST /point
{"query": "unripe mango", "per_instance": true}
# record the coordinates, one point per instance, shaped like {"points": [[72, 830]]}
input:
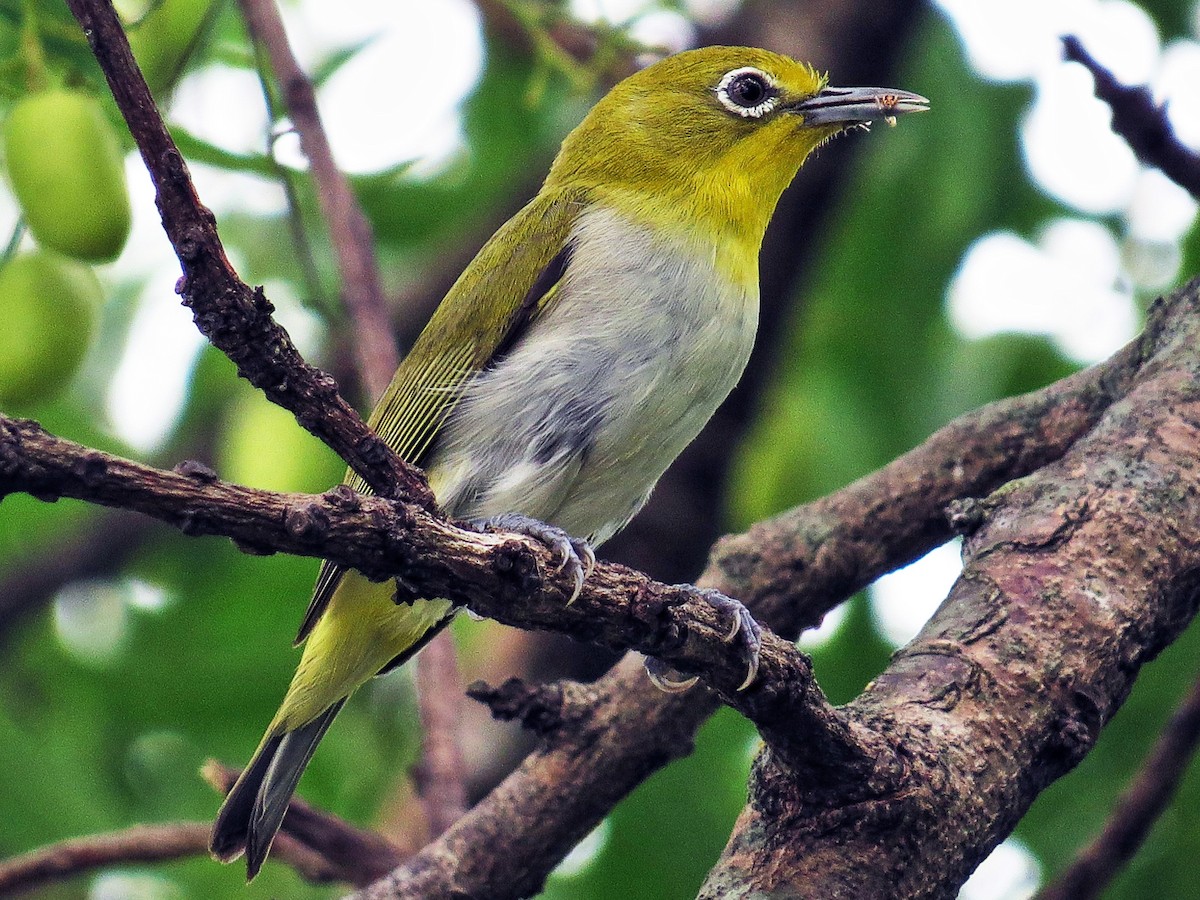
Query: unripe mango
{"points": [[48, 307], [64, 163]]}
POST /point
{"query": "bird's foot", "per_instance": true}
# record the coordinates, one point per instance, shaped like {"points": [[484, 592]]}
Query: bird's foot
{"points": [[576, 557], [743, 629]]}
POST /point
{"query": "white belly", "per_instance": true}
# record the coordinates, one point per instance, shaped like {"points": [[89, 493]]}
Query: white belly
{"points": [[577, 423]]}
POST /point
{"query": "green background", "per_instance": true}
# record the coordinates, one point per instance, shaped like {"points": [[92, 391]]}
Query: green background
{"points": [[111, 730]]}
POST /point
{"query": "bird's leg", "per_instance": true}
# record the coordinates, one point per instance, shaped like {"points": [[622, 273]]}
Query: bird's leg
{"points": [[742, 628], [575, 556]]}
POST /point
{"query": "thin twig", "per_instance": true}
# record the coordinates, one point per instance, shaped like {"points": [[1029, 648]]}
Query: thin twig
{"points": [[349, 231], [1141, 121], [235, 318], [309, 275], [376, 356], [441, 774], [1146, 798], [142, 844]]}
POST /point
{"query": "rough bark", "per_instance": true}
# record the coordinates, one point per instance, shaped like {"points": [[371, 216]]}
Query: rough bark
{"points": [[1148, 796], [1076, 576]]}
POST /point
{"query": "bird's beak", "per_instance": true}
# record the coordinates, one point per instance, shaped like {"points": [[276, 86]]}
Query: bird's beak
{"points": [[849, 106]]}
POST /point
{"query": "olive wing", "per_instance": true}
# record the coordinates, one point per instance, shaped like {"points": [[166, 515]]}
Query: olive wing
{"points": [[510, 282]]}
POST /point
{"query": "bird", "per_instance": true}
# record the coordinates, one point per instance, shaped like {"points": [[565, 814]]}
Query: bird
{"points": [[582, 349]]}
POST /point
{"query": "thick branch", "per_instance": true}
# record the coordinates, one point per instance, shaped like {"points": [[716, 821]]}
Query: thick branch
{"points": [[1076, 576], [235, 318]]}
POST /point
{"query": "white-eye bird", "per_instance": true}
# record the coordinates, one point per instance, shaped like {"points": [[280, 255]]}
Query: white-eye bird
{"points": [[582, 349]]}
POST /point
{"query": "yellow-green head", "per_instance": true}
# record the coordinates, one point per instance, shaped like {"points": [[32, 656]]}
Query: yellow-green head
{"points": [[715, 133]]}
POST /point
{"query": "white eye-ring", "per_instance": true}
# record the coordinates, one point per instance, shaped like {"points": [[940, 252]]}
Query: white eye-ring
{"points": [[748, 92]]}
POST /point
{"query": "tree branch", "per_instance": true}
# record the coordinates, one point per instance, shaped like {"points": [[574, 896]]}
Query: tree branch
{"points": [[236, 319], [141, 844], [1141, 121], [497, 575], [1075, 577]]}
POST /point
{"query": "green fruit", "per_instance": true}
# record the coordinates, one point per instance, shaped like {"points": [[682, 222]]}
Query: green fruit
{"points": [[48, 307], [64, 162]]}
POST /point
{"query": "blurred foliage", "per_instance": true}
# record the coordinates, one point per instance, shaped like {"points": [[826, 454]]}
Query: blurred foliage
{"points": [[110, 701]]}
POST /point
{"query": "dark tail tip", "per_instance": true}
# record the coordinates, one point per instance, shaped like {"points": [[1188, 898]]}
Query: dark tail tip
{"points": [[256, 853], [231, 829], [253, 812]]}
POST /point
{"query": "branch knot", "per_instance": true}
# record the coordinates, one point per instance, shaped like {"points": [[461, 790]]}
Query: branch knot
{"points": [[515, 561], [306, 522], [542, 709]]}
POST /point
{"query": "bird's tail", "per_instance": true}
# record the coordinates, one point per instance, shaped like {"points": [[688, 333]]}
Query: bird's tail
{"points": [[253, 811], [360, 633]]}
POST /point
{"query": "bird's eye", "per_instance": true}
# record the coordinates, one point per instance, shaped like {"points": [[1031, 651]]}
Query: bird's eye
{"points": [[747, 92]]}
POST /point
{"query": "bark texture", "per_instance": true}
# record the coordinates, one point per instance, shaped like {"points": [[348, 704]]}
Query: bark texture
{"points": [[1075, 577]]}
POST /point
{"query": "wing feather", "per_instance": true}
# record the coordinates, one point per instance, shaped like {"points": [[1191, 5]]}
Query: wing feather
{"points": [[512, 280]]}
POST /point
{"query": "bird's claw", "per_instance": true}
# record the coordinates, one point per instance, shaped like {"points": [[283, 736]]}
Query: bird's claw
{"points": [[743, 628], [575, 556], [665, 678]]}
